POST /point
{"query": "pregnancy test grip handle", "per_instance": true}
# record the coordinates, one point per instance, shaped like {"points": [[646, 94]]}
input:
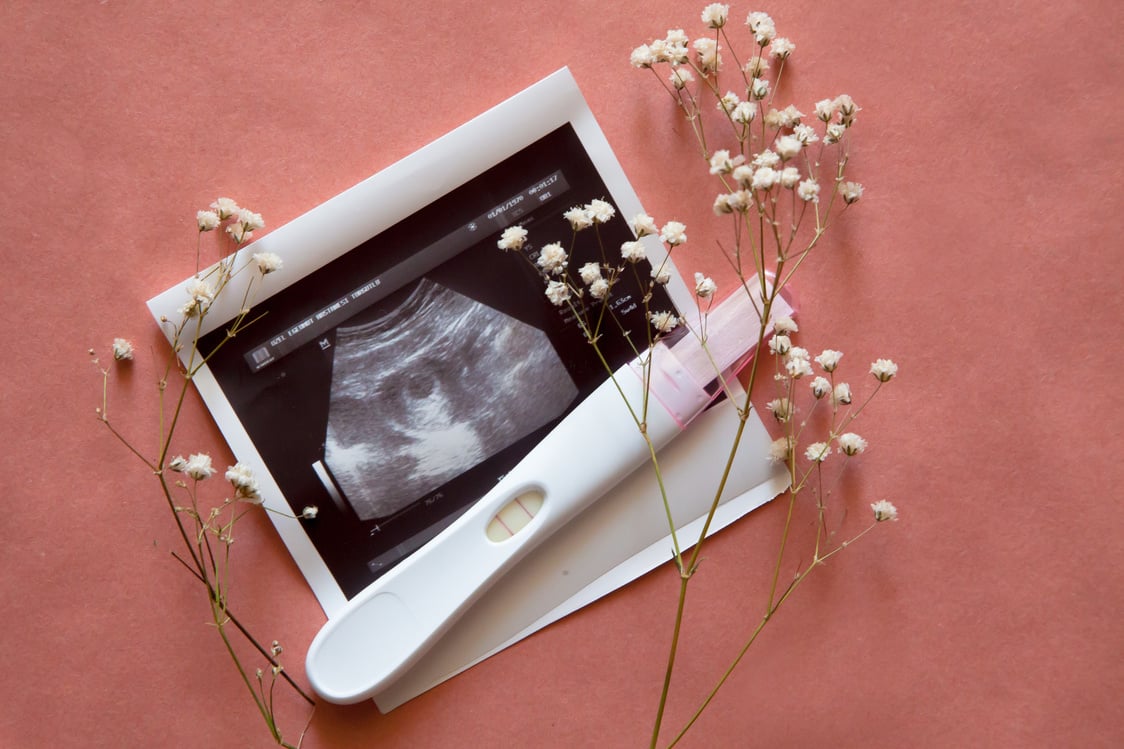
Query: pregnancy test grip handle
{"points": [[392, 623]]}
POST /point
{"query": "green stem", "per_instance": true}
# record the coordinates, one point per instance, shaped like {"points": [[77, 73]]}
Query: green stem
{"points": [[684, 578]]}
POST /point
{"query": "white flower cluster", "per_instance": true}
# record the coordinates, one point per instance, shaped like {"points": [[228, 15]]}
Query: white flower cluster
{"points": [[553, 259], [884, 510], [200, 295], [197, 466], [243, 222], [241, 477], [775, 166], [513, 238], [122, 349]]}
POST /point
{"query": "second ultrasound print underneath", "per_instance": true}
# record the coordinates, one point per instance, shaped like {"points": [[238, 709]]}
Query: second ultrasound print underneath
{"points": [[430, 390]]}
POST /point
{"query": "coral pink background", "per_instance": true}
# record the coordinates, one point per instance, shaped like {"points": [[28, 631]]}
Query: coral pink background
{"points": [[984, 258]]}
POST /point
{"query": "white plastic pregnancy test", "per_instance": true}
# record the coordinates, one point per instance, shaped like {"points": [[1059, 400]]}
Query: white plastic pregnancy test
{"points": [[394, 621]]}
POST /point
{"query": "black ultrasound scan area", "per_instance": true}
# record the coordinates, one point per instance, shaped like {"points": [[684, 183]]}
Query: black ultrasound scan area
{"points": [[393, 387]]}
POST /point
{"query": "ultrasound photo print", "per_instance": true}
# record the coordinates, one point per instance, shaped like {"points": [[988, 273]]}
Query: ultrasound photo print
{"points": [[430, 389]]}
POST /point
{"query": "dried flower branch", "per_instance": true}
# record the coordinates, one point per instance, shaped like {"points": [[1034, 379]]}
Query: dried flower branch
{"points": [[208, 529], [783, 181]]}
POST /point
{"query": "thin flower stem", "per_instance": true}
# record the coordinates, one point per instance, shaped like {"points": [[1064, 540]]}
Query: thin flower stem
{"points": [[784, 540], [769, 613], [684, 579], [246, 633]]}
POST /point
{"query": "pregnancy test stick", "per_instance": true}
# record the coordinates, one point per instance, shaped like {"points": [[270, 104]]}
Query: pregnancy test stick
{"points": [[394, 621]]}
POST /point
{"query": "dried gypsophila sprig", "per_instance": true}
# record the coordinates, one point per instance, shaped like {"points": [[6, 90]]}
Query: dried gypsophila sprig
{"points": [[208, 532], [780, 201], [778, 152], [587, 293]]}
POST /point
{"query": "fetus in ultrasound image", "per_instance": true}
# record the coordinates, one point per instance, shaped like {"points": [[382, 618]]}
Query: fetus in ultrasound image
{"points": [[431, 389]]}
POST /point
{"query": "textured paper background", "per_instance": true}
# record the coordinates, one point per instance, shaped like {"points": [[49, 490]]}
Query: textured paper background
{"points": [[983, 258]]}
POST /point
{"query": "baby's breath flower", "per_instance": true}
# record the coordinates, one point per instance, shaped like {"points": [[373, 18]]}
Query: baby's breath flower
{"points": [[759, 89], [643, 57], [200, 294], [764, 178], [744, 112], [715, 14], [276, 649], [252, 221], [589, 272], [513, 238], [664, 322], [842, 394], [704, 286], [225, 207], [676, 37], [558, 293], [673, 48], [756, 66], [601, 211], [661, 275], [847, 109], [884, 510], [781, 449], [799, 352], [178, 464], [728, 103], [820, 387], [552, 258], [788, 146], [633, 251], [722, 204], [797, 367], [643, 225], [122, 349], [781, 409], [790, 177], [883, 370], [809, 191], [239, 233], [680, 77], [722, 163], [268, 262], [825, 110], [762, 27], [785, 325], [766, 158], [739, 201], [674, 233], [789, 117], [743, 175], [834, 133], [201, 291], [707, 51], [780, 344], [792, 115], [579, 218], [207, 220], [851, 192], [599, 289], [199, 466], [829, 359], [241, 477], [310, 512], [806, 134], [817, 452], [851, 444], [781, 47]]}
